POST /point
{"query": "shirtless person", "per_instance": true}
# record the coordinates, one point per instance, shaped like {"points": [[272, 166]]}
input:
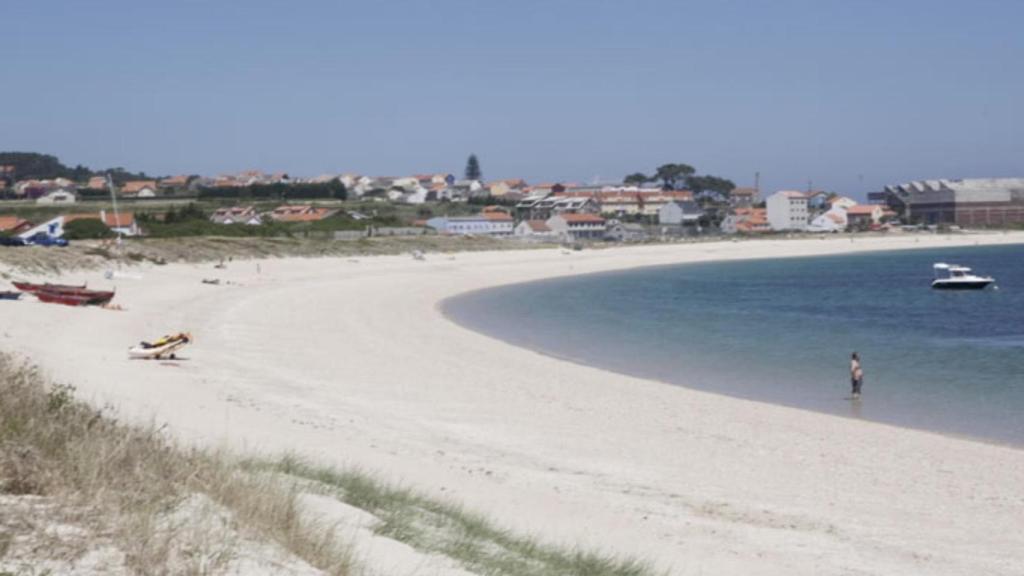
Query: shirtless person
{"points": [[856, 375]]}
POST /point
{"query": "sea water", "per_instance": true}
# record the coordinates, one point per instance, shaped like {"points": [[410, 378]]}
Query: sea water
{"points": [[782, 331]]}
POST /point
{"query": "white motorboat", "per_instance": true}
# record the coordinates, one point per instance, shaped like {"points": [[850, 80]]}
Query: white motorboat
{"points": [[958, 278]]}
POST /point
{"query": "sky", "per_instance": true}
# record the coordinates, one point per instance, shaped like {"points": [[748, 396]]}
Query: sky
{"points": [[844, 95]]}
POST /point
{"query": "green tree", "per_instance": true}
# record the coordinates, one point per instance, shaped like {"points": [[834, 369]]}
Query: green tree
{"points": [[710, 186], [473, 168], [636, 179], [86, 229], [673, 175]]}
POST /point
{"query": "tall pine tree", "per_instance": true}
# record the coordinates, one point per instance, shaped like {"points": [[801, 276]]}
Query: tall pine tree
{"points": [[473, 168]]}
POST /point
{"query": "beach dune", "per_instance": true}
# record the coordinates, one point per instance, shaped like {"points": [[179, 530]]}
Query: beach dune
{"points": [[351, 362]]}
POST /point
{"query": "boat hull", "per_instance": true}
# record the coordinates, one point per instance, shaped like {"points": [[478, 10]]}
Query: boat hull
{"points": [[62, 298], [10, 295], [969, 285], [31, 287], [75, 297]]}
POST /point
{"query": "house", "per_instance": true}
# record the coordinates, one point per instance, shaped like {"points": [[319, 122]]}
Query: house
{"points": [[743, 197], [35, 189], [680, 213], [577, 226], [123, 223], [843, 202], [746, 221], [818, 199], [175, 182], [12, 225], [617, 231], [139, 188], [418, 195], [407, 183], [625, 202], [96, 183], [485, 224], [502, 188], [544, 208], [428, 180], [58, 196], [533, 228], [236, 215], [787, 210], [834, 220], [301, 213], [464, 189], [864, 216]]}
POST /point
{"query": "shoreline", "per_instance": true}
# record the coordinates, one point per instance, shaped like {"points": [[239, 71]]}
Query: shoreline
{"points": [[302, 357], [447, 307]]}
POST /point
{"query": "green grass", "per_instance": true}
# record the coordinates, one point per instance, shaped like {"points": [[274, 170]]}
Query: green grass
{"points": [[118, 480], [439, 527]]}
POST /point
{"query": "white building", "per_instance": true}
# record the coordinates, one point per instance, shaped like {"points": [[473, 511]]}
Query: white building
{"points": [[237, 215], [832, 221], [58, 196], [843, 202], [787, 210], [534, 228], [577, 226], [680, 213], [487, 224]]}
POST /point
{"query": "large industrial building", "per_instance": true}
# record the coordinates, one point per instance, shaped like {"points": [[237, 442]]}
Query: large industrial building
{"points": [[974, 202]]}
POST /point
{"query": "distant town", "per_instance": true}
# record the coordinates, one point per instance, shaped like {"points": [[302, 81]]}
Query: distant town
{"points": [[674, 202]]}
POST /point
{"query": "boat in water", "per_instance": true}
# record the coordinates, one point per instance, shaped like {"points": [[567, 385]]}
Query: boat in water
{"points": [[955, 277], [9, 295]]}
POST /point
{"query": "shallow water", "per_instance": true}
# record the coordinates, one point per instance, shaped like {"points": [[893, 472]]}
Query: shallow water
{"points": [[782, 331]]}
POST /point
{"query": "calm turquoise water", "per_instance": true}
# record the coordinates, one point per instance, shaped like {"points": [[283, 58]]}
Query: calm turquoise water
{"points": [[782, 331]]}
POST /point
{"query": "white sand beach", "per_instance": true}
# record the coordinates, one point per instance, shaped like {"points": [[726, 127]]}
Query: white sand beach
{"points": [[350, 362]]}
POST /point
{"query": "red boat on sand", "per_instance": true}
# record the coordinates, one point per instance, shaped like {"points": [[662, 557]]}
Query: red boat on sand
{"points": [[66, 294], [75, 298], [31, 287]]}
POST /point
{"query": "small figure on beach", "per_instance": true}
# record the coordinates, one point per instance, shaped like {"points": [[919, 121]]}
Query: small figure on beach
{"points": [[856, 375]]}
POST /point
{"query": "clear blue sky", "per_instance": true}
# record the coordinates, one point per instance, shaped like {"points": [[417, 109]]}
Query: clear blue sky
{"points": [[850, 94]]}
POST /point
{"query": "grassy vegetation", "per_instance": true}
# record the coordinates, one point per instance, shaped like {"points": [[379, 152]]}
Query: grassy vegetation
{"points": [[440, 527], [384, 213], [95, 254], [117, 480]]}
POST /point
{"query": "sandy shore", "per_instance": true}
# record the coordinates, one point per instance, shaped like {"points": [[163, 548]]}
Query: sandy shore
{"points": [[350, 362]]}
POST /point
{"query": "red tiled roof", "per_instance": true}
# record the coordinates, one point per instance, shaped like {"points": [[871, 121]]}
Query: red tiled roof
{"points": [[135, 186], [175, 181], [538, 225], [12, 223], [124, 219], [862, 209], [300, 213]]}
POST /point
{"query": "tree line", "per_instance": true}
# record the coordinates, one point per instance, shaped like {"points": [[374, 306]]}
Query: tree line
{"points": [[334, 189], [35, 166], [683, 176]]}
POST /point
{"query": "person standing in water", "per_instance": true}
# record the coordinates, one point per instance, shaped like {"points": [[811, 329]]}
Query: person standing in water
{"points": [[856, 375]]}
